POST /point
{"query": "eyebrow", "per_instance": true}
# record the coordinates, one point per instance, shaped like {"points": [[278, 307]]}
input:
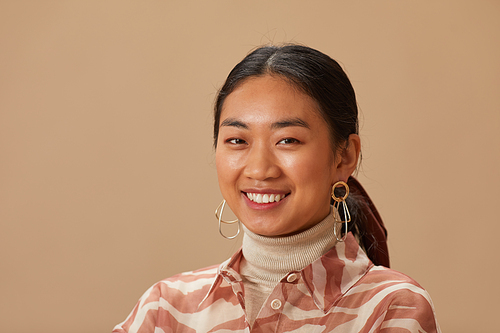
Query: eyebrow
{"points": [[290, 122], [233, 122]]}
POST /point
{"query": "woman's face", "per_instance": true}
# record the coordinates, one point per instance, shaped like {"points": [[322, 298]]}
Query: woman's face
{"points": [[275, 163]]}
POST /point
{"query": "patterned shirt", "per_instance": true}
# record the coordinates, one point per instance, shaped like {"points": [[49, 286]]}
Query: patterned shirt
{"points": [[340, 292]]}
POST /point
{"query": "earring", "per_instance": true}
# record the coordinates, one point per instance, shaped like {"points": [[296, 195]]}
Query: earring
{"points": [[340, 201], [218, 214]]}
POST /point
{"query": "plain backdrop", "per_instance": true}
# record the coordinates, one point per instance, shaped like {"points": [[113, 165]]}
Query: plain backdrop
{"points": [[107, 173]]}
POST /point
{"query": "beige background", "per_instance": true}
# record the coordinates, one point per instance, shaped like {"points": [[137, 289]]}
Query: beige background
{"points": [[107, 175]]}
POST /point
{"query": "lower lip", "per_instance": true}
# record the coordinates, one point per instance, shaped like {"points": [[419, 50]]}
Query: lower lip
{"points": [[262, 206]]}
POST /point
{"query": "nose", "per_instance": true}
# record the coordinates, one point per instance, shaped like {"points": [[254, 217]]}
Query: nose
{"points": [[262, 164]]}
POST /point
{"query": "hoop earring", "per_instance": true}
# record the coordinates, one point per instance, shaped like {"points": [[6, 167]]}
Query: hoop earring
{"points": [[218, 214], [340, 201]]}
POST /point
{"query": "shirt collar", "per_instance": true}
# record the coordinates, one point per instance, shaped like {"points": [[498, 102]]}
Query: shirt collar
{"points": [[332, 275], [327, 278], [227, 274]]}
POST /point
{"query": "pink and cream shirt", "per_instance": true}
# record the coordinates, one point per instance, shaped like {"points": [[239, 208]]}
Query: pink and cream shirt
{"points": [[342, 291]]}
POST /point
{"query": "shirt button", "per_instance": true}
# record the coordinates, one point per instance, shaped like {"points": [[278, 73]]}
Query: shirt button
{"points": [[292, 277], [276, 304]]}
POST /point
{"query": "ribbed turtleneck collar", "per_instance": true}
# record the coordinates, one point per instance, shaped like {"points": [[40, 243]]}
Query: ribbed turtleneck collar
{"points": [[270, 258]]}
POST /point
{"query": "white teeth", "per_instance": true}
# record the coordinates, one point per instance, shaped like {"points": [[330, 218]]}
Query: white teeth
{"points": [[264, 198]]}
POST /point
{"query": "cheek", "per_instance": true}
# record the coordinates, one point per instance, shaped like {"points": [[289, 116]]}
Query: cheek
{"points": [[311, 167], [219, 166], [225, 169]]}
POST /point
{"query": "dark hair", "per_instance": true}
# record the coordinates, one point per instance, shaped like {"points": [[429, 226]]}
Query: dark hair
{"points": [[318, 76], [313, 72]]}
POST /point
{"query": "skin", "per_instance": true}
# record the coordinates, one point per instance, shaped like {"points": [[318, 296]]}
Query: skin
{"points": [[273, 140]]}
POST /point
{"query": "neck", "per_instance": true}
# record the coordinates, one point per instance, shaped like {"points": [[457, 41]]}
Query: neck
{"points": [[270, 258]]}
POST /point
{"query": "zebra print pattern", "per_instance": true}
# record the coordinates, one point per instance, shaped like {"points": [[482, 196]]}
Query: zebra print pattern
{"points": [[340, 292]]}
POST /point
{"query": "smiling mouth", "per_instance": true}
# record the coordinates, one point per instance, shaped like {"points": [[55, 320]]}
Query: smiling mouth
{"points": [[265, 198]]}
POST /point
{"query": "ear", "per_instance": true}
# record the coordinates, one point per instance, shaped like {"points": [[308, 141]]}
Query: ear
{"points": [[348, 158]]}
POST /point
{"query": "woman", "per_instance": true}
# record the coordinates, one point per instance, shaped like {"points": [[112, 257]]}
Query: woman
{"points": [[285, 133]]}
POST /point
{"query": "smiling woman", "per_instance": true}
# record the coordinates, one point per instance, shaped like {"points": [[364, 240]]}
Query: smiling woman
{"points": [[313, 259], [273, 142]]}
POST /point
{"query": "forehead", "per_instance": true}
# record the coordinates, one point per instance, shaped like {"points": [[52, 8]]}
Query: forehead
{"points": [[267, 99]]}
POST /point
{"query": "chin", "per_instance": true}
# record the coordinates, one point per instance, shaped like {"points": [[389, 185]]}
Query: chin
{"points": [[263, 229], [269, 232]]}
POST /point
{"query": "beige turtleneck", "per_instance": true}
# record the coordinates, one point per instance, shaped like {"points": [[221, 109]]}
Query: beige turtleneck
{"points": [[266, 260]]}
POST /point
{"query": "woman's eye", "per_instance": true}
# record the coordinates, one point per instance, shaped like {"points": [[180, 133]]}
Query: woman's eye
{"points": [[235, 141], [288, 141]]}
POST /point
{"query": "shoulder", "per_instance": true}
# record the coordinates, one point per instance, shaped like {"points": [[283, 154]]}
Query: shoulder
{"points": [[182, 292], [183, 284], [397, 298], [376, 273], [386, 281], [191, 279]]}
